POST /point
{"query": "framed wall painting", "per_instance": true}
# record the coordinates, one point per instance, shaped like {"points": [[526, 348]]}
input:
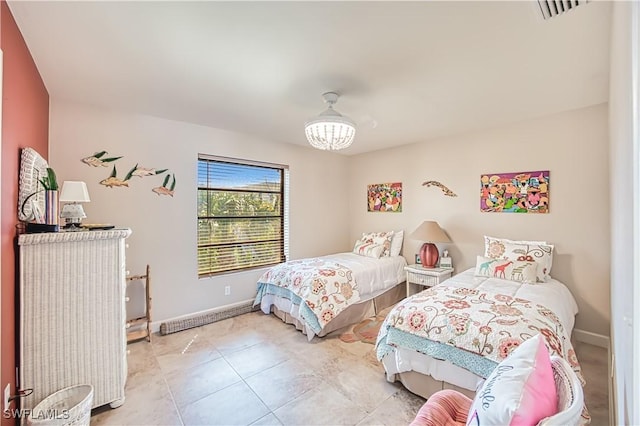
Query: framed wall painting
{"points": [[384, 197], [517, 192]]}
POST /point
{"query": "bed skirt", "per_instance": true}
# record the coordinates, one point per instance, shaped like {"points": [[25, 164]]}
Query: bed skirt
{"points": [[282, 308], [425, 386]]}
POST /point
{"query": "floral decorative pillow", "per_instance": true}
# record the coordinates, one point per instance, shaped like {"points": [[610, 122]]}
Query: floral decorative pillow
{"points": [[524, 272], [515, 241], [525, 251], [368, 248], [379, 238]]}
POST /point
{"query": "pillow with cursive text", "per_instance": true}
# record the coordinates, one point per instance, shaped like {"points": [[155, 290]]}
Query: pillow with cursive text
{"points": [[520, 391]]}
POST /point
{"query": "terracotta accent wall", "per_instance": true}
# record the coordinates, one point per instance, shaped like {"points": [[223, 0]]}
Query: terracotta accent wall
{"points": [[25, 123]]}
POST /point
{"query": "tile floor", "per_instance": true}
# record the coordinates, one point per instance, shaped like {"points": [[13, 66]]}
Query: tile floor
{"points": [[254, 369]]}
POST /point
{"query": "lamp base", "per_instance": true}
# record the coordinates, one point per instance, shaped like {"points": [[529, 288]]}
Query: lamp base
{"points": [[72, 221], [72, 214], [429, 255], [72, 225]]}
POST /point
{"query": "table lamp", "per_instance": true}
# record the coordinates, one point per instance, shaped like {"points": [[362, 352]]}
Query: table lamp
{"points": [[73, 192], [429, 232]]}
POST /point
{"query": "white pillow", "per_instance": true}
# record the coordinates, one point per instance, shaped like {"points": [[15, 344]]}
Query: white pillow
{"points": [[512, 241], [396, 243], [520, 391]]}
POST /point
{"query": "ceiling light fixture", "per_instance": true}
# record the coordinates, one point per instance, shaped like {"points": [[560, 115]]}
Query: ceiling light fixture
{"points": [[330, 130]]}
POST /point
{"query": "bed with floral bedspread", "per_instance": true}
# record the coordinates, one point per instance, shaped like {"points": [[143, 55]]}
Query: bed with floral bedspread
{"points": [[454, 334], [322, 288], [473, 329], [317, 290]]}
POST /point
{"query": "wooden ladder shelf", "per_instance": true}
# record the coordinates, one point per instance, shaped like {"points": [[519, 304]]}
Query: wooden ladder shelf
{"points": [[144, 332]]}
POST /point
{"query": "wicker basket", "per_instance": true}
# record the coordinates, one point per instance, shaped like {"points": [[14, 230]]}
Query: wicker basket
{"points": [[69, 406]]}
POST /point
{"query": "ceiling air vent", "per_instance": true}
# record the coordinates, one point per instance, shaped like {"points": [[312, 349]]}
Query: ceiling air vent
{"points": [[551, 8]]}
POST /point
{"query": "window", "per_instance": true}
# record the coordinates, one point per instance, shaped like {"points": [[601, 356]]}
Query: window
{"points": [[242, 214]]}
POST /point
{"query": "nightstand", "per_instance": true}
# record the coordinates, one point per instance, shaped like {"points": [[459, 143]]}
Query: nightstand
{"points": [[426, 277]]}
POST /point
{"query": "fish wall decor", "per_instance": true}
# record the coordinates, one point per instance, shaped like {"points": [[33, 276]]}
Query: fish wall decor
{"points": [[101, 159], [164, 190], [98, 159], [113, 181], [445, 190]]}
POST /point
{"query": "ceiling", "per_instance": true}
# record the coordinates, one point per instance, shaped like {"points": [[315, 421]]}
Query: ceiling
{"points": [[407, 71]]}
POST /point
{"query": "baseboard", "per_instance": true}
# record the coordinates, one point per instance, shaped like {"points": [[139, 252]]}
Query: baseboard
{"points": [[155, 325], [591, 338]]}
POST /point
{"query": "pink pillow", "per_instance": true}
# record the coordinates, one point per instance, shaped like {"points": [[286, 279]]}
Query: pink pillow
{"points": [[520, 391], [444, 408]]}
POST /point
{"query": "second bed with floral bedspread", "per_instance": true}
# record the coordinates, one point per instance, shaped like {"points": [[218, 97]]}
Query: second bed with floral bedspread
{"points": [[471, 328], [315, 291], [506, 319]]}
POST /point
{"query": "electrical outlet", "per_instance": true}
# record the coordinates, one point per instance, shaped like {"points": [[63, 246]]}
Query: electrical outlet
{"points": [[227, 290], [7, 395]]}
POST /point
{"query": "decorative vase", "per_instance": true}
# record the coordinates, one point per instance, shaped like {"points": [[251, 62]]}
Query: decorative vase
{"points": [[51, 216], [429, 255]]}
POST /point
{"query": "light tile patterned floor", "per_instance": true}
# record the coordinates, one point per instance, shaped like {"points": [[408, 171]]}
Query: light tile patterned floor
{"points": [[253, 369]]}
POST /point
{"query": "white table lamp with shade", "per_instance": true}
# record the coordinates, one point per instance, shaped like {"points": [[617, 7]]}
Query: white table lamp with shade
{"points": [[429, 232], [73, 193]]}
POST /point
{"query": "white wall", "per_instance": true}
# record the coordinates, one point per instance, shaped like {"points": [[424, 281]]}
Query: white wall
{"points": [[625, 188], [164, 228], [573, 146], [328, 196]]}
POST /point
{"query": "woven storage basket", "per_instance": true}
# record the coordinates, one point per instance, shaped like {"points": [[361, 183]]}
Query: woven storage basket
{"points": [[68, 406]]}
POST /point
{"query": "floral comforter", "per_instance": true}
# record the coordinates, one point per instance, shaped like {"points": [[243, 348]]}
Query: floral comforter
{"points": [[471, 328], [322, 288]]}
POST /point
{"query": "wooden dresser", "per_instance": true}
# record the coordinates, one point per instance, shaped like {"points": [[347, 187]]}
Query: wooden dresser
{"points": [[72, 314]]}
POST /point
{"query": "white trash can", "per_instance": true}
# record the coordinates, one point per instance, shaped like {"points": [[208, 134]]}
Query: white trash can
{"points": [[66, 407]]}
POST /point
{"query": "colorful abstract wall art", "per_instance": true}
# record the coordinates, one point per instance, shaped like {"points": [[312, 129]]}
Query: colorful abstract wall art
{"points": [[521, 192], [384, 197]]}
